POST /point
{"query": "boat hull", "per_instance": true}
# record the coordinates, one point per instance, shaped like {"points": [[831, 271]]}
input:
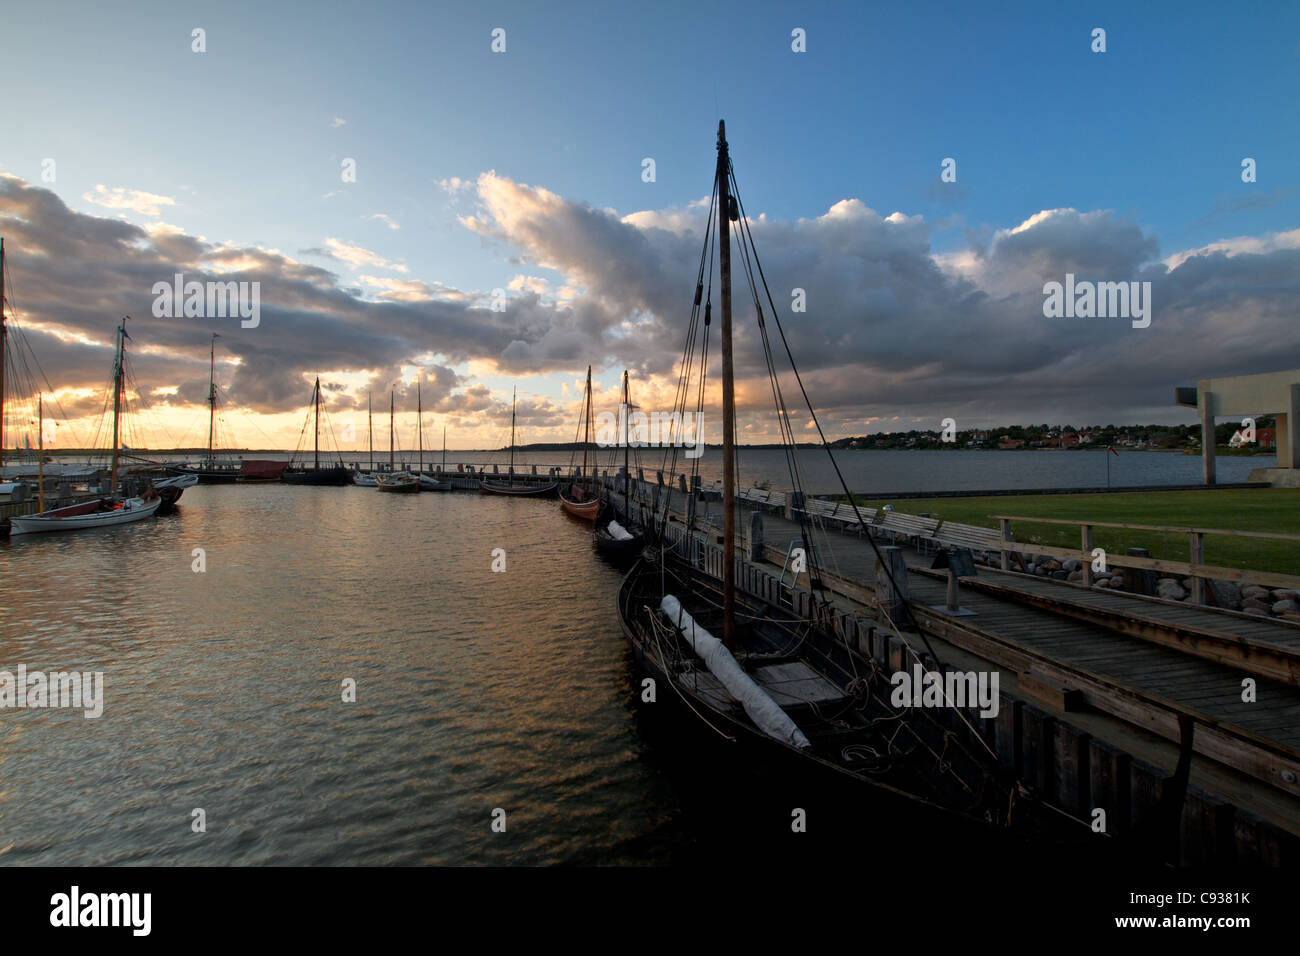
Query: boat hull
{"points": [[433, 484], [518, 491], [84, 516], [584, 508], [398, 484], [207, 476], [319, 476]]}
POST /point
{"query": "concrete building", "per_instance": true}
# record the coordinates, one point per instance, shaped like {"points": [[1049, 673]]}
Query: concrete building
{"points": [[1273, 393]]}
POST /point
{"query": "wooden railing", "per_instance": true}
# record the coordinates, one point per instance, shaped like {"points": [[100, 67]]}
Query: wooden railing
{"points": [[1194, 567]]}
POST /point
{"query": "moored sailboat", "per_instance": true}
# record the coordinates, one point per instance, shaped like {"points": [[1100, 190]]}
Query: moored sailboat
{"points": [[581, 498], [210, 471], [316, 475], [513, 488], [619, 537], [399, 482], [100, 512], [786, 687]]}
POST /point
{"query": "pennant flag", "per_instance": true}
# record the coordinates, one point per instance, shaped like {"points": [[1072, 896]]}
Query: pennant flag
{"points": [[1111, 449]]}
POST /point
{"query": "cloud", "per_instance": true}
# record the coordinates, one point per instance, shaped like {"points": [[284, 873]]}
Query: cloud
{"points": [[358, 256], [454, 185], [146, 204], [337, 121], [385, 219]]}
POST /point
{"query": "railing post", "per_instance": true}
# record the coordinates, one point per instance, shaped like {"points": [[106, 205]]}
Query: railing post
{"points": [[1197, 542], [1006, 536], [1087, 555]]}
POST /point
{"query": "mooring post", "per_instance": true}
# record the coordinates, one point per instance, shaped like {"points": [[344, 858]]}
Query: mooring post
{"points": [[953, 599], [891, 587], [756, 536], [1006, 536], [1197, 542], [1087, 555]]}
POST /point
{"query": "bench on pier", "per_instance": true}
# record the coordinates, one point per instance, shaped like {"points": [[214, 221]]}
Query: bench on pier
{"points": [[969, 536], [911, 528], [837, 513]]}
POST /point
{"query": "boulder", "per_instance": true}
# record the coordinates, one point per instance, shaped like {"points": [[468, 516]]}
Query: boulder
{"points": [[1226, 594], [1285, 594], [1071, 564], [1074, 576], [1285, 607], [1052, 565], [1040, 571], [1101, 583], [1170, 590], [1255, 591], [1060, 575], [1254, 604], [1042, 558]]}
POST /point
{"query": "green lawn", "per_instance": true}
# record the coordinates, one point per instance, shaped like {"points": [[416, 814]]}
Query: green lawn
{"points": [[1249, 509]]}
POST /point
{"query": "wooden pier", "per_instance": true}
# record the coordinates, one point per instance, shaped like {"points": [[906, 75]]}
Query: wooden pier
{"points": [[1100, 689]]}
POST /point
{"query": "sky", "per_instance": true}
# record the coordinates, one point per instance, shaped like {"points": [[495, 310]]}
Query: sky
{"points": [[127, 156]]}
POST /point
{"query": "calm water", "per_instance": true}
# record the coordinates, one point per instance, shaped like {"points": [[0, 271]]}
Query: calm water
{"points": [[476, 689]]}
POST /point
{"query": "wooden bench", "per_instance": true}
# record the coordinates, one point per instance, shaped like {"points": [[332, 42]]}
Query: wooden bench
{"points": [[909, 528], [969, 536]]}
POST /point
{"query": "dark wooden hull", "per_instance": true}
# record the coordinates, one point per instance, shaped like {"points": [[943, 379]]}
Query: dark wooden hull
{"points": [[222, 476], [518, 491], [899, 781], [319, 476]]}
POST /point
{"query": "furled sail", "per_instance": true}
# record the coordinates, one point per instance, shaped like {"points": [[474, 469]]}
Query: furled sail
{"points": [[762, 709]]}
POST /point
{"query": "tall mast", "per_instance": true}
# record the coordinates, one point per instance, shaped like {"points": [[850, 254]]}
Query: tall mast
{"points": [[392, 398], [4, 334], [586, 427], [40, 455], [370, 429], [513, 395], [212, 392], [419, 423], [444, 447], [728, 397], [627, 402], [315, 396], [119, 361]]}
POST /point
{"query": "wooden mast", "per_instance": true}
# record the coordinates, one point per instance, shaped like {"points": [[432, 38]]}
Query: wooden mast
{"points": [[392, 398], [370, 430], [627, 421], [728, 397], [4, 335], [444, 447], [212, 393], [514, 393], [315, 397], [117, 404], [586, 429], [419, 424], [40, 455]]}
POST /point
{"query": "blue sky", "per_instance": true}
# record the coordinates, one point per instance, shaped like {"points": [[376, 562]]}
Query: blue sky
{"points": [[244, 139]]}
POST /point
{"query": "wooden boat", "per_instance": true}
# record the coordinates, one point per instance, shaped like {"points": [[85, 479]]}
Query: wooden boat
{"points": [[211, 471], [401, 482], [429, 483], [102, 512], [171, 489], [333, 475], [261, 470], [364, 480], [512, 488], [618, 537], [787, 689], [582, 498]]}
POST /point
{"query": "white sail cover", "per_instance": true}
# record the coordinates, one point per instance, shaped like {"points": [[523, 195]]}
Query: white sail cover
{"points": [[618, 532], [762, 709]]}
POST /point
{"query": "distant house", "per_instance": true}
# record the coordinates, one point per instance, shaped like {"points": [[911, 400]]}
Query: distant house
{"points": [[1009, 443], [1069, 439], [1264, 438]]}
